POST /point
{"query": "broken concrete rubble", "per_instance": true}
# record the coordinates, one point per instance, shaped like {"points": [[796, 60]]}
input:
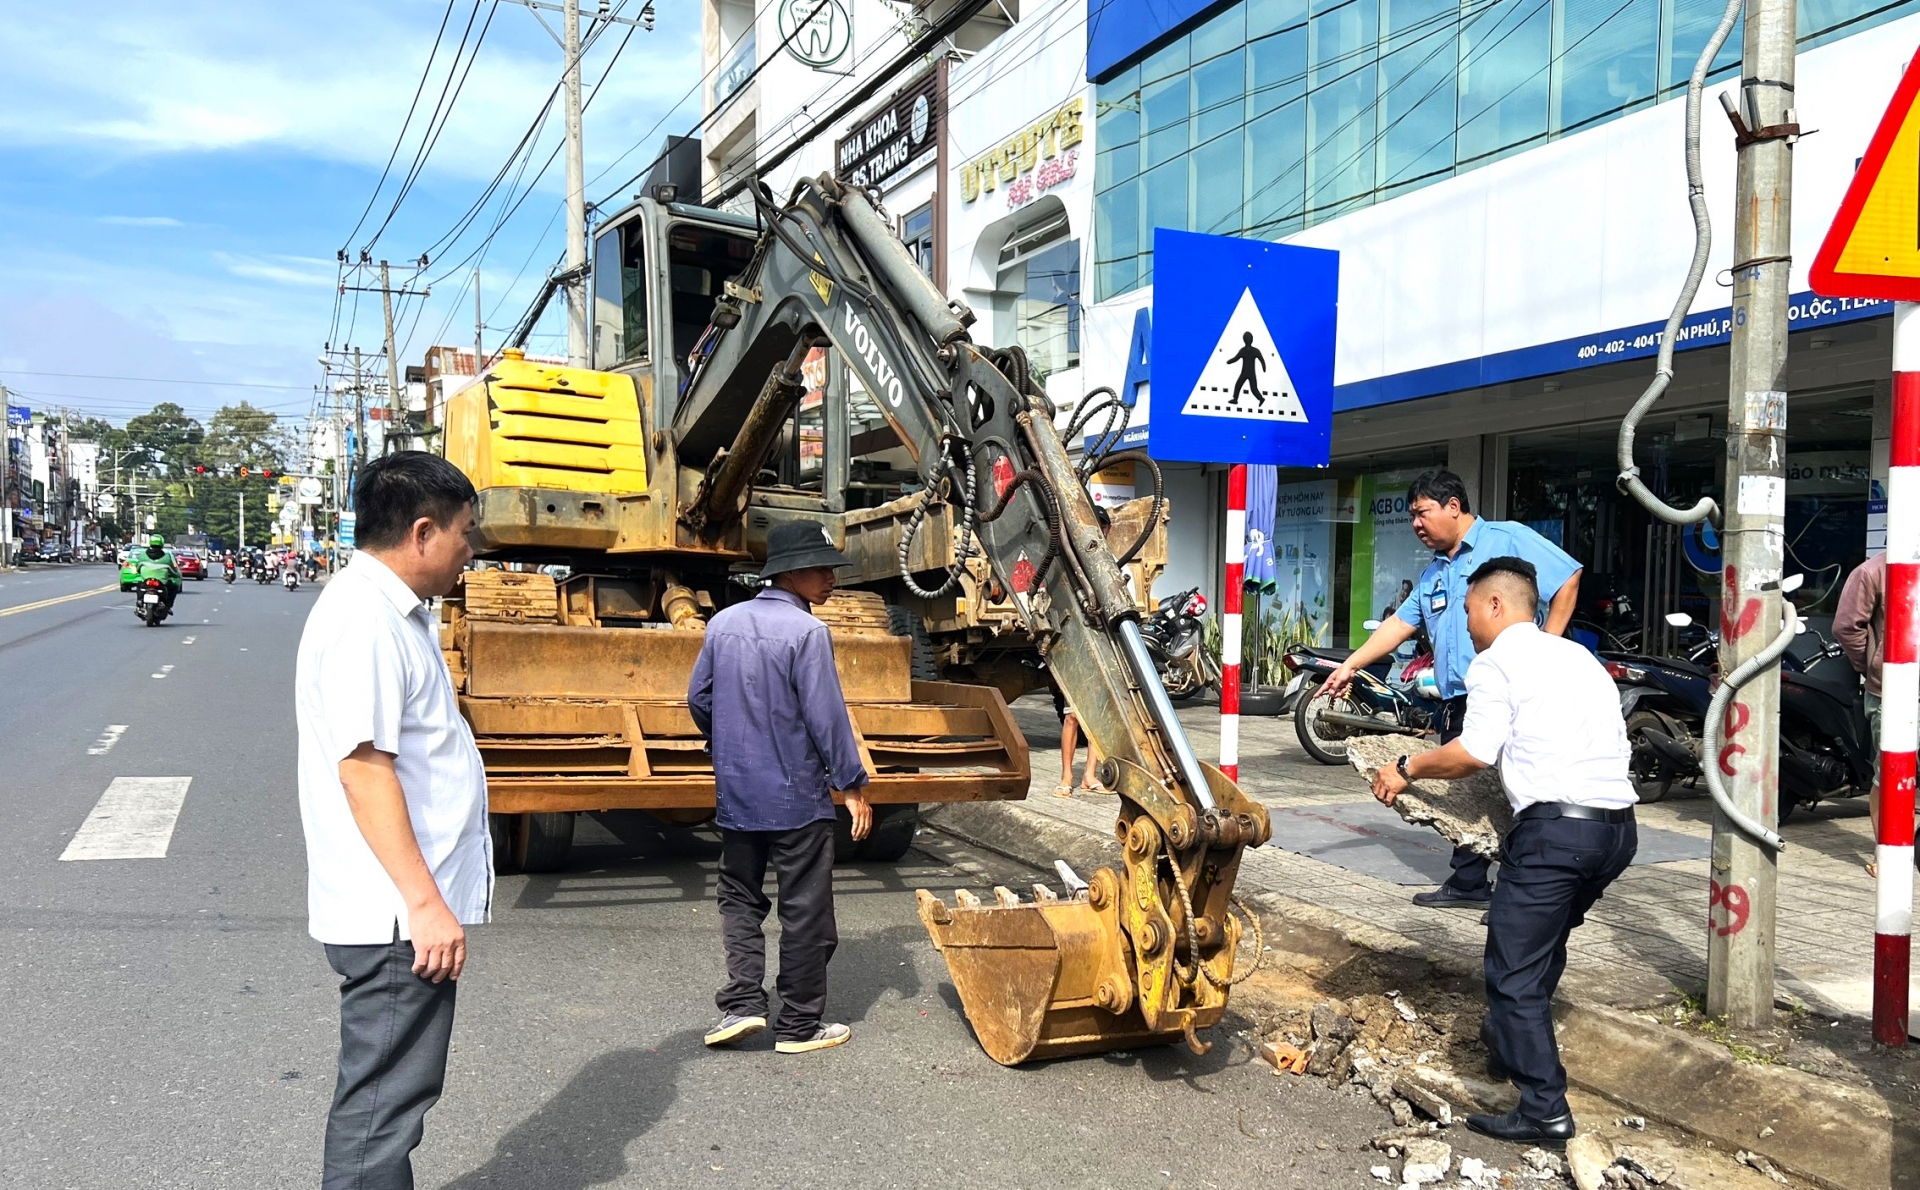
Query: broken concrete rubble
{"points": [[1471, 812], [1425, 1161]]}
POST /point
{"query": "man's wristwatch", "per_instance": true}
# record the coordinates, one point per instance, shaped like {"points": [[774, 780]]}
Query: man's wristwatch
{"points": [[1400, 766]]}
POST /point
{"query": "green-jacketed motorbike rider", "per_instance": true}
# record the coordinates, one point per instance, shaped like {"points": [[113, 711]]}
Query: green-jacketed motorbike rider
{"points": [[157, 561]]}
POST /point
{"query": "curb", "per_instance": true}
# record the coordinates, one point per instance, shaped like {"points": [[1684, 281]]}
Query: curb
{"points": [[1831, 1134]]}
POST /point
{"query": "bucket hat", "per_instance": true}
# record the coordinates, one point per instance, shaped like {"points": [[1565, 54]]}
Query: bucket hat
{"points": [[798, 545]]}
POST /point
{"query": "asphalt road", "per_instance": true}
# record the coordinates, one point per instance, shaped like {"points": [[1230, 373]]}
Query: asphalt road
{"points": [[171, 1024]]}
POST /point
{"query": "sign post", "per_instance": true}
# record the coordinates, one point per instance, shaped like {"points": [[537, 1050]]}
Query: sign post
{"points": [[1242, 372], [1871, 251]]}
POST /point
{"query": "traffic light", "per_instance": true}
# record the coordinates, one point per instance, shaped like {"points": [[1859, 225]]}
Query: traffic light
{"points": [[199, 469], [266, 473], [243, 472]]}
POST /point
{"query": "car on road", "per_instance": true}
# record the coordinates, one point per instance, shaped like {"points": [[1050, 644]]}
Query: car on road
{"points": [[192, 565], [54, 551], [129, 568]]}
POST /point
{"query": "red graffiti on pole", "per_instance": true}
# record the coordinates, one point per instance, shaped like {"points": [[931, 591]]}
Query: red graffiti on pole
{"points": [[1732, 628], [1732, 724], [1733, 899]]}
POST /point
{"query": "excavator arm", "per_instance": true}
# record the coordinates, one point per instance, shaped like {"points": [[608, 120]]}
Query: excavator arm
{"points": [[1145, 952]]}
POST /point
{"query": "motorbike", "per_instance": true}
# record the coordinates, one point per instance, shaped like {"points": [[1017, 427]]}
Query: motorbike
{"points": [[1175, 636], [1375, 704], [229, 572], [291, 578], [262, 573], [150, 602], [1826, 744]]}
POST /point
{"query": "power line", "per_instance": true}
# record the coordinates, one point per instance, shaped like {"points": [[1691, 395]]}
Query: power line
{"points": [[425, 73], [152, 379]]}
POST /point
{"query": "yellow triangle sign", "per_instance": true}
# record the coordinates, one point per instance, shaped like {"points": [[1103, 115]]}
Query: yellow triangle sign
{"points": [[1872, 250]]}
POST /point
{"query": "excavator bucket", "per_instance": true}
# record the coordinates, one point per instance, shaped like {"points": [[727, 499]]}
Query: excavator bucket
{"points": [[1045, 978]]}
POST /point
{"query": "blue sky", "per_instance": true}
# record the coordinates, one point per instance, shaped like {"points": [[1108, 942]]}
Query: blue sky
{"points": [[175, 180]]}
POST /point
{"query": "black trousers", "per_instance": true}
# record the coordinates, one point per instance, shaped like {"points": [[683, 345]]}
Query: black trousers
{"points": [[802, 862], [394, 1029], [1552, 870], [1469, 867]]}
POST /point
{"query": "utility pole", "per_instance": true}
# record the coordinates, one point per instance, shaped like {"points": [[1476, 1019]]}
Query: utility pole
{"points": [[576, 196], [570, 41], [479, 356], [6, 484], [396, 401], [243, 520], [1740, 937]]}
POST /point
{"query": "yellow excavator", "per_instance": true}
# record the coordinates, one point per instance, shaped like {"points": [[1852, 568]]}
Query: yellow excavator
{"points": [[799, 365]]}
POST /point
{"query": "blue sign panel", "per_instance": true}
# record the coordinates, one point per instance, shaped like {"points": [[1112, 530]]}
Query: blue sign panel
{"points": [[1242, 350]]}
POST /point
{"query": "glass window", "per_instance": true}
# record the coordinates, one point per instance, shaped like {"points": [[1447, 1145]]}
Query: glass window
{"points": [[1163, 200], [1340, 120], [1164, 105], [1609, 51], [1217, 190], [1418, 66], [1170, 60], [1276, 70], [1688, 25], [1218, 88], [1277, 171], [1270, 16], [1047, 310], [1116, 237], [1341, 40], [1117, 115], [916, 231], [609, 304], [1228, 31], [1505, 48]]}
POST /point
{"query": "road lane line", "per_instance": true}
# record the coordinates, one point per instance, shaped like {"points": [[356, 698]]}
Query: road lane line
{"points": [[164, 671], [189, 640], [133, 820], [28, 607], [107, 740]]}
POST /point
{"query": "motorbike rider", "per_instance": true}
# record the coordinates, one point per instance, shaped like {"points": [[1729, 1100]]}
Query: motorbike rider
{"points": [[157, 561]]}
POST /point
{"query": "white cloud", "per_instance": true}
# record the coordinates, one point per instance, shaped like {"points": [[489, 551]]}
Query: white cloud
{"points": [[281, 270], [331, 81], [140, 221]]}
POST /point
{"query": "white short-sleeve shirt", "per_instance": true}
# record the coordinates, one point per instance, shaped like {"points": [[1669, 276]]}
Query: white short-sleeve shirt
{"points": [[1542, 708], [370, 670]]}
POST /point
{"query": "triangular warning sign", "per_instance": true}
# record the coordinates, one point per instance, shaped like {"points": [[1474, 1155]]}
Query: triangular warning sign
{"points": [[1245, 376], [1873, 248]]}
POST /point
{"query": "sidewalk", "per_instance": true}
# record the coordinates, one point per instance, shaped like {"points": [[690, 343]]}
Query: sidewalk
{"points": [[1647, 938], [1813, 1094]]}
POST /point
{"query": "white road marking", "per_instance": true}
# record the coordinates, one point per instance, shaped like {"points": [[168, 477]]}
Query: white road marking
{"points": [[243, 648], [133, 820], [189, 640], [107, 740], [164, 671]]}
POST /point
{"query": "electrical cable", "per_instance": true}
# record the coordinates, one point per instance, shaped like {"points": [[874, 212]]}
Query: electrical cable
{"points": [[426, 72]]}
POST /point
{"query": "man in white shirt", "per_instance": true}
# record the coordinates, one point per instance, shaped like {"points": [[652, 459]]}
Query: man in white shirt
{"points": [[1542, 708], [393, 800]]}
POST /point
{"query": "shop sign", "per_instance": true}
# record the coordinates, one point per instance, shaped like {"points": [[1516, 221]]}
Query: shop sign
{"points": [[19, 415], [825, 30], [1025, 152], [894, 141]]}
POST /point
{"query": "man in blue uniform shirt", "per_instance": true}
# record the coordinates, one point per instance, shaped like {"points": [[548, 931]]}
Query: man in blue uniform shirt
{"points": [[765, 692], [1444, 522]]}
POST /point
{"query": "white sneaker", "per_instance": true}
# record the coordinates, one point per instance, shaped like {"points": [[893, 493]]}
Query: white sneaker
{"points": [[734, 1028], [824, 1038]]}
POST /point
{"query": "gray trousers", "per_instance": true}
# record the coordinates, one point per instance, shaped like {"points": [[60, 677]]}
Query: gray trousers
{"points": [[394, 1030]]}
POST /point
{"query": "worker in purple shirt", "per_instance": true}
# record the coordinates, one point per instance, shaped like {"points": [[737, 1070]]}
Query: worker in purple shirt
{"points": [[765, 693]]}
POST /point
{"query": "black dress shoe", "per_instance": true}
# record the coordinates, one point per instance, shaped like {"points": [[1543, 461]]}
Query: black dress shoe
{"points": [[1516, 1127], [1447, 897]]}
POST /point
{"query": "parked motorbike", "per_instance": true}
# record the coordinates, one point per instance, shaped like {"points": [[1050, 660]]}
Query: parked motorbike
{"points": [[1375, 704], [1175, 636], [150, 602], [1826, 745]]}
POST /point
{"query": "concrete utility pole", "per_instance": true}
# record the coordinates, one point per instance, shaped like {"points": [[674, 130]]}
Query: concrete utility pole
{"points": [[1740, 939], [396, 400], [576, 195], [243, 520], [479, 327]]}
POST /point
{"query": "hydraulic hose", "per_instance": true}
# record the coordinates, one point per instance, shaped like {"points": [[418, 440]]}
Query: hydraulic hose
{"points": [[1716, 712], [1629, 480]]}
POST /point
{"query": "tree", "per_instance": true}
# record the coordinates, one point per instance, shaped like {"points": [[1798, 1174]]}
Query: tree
{"points": [[243, 436], [166, 439]]}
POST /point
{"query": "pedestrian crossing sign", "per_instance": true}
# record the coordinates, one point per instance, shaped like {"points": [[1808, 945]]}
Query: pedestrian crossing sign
{"points": [[1872, 249], [1242, 361]]}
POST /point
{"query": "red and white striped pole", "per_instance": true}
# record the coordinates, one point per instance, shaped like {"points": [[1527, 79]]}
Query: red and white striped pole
{"points": [[1899, 692], [1230, 621]]}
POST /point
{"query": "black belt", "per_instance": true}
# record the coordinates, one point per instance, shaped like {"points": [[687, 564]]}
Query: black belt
{"points": [[1569, 810]]}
